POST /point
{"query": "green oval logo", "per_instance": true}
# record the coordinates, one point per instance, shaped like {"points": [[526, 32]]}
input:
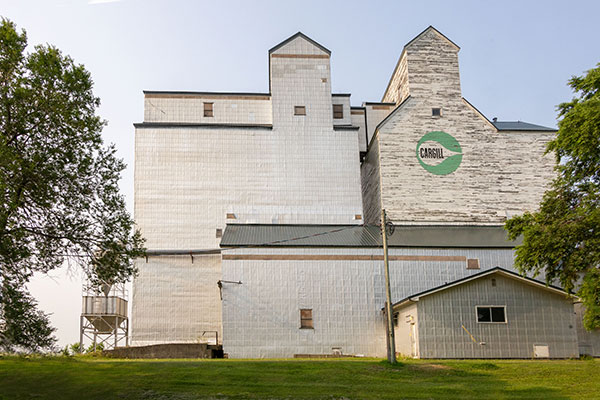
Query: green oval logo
{"points": [[448, 164]]}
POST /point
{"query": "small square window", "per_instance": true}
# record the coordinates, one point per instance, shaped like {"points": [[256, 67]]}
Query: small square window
{"points": [[299, 110], [498, 314], [219, 233], [338, 111], [489, 314], [436, 112], [473, 263], [208, 110], [484, 314], [306, 320]]}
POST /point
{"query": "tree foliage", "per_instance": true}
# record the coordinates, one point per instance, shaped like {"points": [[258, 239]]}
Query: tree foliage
{"points": [[58, 181], [24, 326], [562, 239]]}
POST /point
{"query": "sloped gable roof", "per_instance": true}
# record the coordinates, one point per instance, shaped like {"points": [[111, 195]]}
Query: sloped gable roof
{"points": [[431, 28], [299, 35], [497, 270]]}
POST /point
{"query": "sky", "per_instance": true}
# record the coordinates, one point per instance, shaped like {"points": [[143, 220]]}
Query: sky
{"points": [[515, 60]]}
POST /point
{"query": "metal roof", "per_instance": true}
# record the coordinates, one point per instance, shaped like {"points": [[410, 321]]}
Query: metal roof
{"points": [[298, 235], [447, 236], [495, 270], [520, 126]]}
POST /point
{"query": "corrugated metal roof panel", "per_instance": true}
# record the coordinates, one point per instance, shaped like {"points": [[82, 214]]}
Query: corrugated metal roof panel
{"points": [[520, 126], [257, 235], [297, 235]]}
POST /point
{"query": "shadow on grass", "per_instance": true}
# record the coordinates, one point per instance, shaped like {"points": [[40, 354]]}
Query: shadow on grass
{"points": [[61, 378]]}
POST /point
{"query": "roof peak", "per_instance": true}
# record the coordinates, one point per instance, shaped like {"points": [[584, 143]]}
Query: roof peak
{"points": [[429, 28], [303, 36], [432, 28], [495, 270]]}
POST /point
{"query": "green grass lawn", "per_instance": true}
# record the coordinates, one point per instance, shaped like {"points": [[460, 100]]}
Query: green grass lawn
{"points": [[97, 378]]}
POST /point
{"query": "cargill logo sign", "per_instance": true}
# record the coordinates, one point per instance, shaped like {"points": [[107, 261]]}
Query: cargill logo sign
{"points": [[439, 153]]}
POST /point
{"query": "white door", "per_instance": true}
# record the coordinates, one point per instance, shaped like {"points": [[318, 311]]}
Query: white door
{"points": [[413, 340]]}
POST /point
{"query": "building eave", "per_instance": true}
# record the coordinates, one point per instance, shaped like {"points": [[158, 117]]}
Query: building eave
{"points": [[496, 270], [150, 125], [167, 93]]}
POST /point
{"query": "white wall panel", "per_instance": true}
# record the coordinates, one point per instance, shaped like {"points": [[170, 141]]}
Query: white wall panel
{"points": [[261, 316], [176, 301], [190, 109]]}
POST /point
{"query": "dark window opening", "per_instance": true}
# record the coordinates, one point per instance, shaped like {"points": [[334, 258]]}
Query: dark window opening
{"points": [[491, 314], [299, 110], [338, 111], [208, 110], [306, 321], [436, 112], [219, 233], [395, 319]]}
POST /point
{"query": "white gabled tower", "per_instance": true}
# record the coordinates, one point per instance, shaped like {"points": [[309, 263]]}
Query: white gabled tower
{"points": [[428, 66], [299, 75]]}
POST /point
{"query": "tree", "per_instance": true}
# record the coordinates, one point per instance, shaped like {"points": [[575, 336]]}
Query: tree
{"points": [[563, 237], [58, 182], [24, 326]]}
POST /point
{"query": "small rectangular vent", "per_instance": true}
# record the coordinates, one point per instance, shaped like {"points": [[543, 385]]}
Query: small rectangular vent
{"points": [[306, 320], [473, 263], [338, 111], [208, 110]]}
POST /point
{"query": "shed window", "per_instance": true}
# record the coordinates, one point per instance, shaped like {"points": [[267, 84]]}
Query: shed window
{"points": [[299, 110], [208, 110], [338, 111], [491, 314], [306, 321], [436, 112]]}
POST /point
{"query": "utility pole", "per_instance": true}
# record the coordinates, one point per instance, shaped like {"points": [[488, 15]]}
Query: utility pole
{"points": [[391, 351]]}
